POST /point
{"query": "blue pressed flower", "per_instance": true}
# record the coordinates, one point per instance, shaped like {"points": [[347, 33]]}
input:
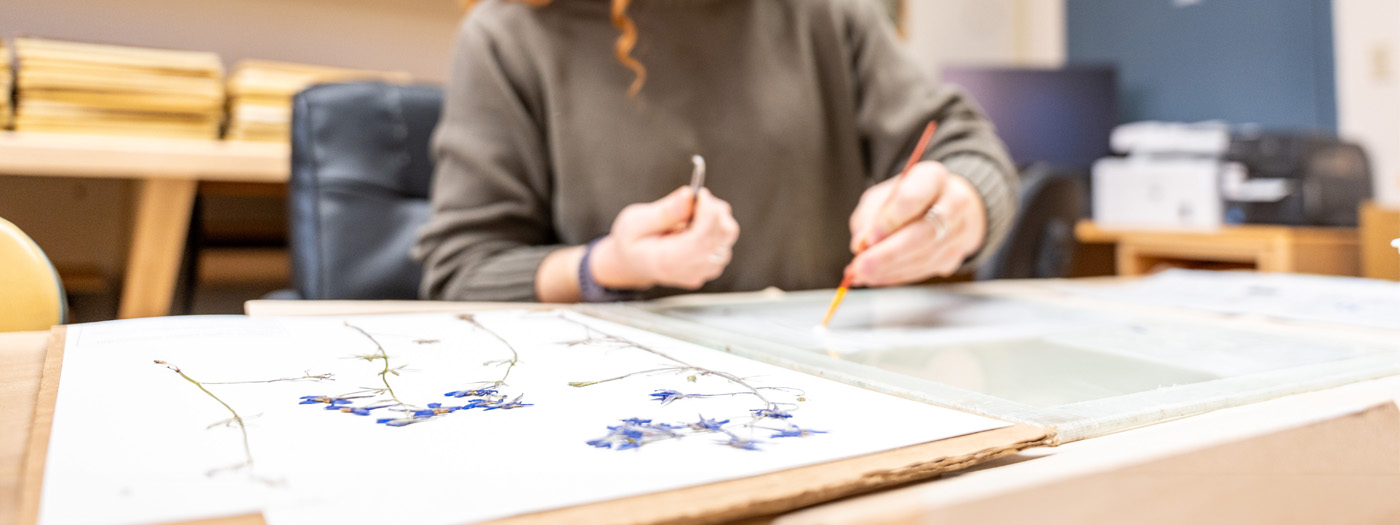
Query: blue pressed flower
{"points": [[667, 396], [507, 405], [601, 443], [634, 433], [329, 400], [707, 424], [475, 392], [738, 442], [796, 432], [770, 412], [434, 409], [473, 404], [359, 411]]}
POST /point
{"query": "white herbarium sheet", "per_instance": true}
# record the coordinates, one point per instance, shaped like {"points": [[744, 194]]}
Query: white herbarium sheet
{"points": [[133, 441]]}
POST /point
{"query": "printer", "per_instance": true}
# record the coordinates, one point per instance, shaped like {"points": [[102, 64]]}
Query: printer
{"points": [[1316, 180], [1203, 175]]}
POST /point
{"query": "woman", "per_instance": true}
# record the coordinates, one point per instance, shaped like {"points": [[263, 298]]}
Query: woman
{"points": [[565, 121]]}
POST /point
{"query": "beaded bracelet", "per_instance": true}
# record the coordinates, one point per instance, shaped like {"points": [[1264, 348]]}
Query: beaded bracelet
{"points": [[592, 292]]}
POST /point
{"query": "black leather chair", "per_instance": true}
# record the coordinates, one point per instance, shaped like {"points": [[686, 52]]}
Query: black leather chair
{"points": [[361, 172], [1041, 243]]}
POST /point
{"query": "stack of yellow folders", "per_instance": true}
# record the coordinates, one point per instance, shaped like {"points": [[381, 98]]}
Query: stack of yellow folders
{"points": [[260, 94], [5, 84], [71, 87]]}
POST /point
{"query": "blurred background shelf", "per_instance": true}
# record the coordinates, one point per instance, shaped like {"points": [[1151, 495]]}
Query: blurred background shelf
{"points": [[167, 174], [1266, 248], [69, 155]]}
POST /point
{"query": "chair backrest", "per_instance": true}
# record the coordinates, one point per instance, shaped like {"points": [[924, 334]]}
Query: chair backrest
{"points": [[1041, 242], [361, 171], [31, 295]]}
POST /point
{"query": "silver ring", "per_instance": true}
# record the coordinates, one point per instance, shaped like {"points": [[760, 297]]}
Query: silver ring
{"points": [[934, 216], [717, 257]]}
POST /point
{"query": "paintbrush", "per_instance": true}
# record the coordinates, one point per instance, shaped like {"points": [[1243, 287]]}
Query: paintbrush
{"points": [[860, 248]]}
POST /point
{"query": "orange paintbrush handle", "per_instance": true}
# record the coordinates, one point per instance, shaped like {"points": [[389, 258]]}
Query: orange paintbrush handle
{"points": [[836, 301], [899, 180], [865, 233]]}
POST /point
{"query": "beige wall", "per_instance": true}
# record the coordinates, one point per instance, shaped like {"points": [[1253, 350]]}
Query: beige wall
{"points": [[405, 35], [986, 32], [1367, 49]]}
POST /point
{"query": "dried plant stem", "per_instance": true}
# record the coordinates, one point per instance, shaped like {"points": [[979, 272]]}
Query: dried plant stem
{"points": [[247, 452], [683, 365], [514, 355], [305, 377], [383, 374]]}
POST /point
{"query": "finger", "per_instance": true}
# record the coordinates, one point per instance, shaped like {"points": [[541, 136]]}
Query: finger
{"points": [[885, 263], [716, 232], [916, 252], [714, 221], [920, 188], [950, 247], [717, 261], [730, 228], [702, 252], [865, 211], [659, 216]]}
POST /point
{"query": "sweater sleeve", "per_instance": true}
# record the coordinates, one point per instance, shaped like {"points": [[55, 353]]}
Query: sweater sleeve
{"points": [[896, 99], [490, 225]]}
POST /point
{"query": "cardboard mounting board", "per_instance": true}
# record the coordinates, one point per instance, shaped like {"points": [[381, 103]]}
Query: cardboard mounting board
{"points": [[1342, 469], [730, 500]]}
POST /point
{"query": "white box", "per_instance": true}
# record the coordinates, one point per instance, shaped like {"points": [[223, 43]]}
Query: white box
{"points": [[1158, 193]]}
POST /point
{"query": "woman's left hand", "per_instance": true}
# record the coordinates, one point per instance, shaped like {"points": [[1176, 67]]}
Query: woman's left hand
{"points": [[926, 230]]}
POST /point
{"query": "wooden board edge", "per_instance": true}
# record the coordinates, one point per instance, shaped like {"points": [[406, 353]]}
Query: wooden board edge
{"points": [[791, 489], [32, 484]]}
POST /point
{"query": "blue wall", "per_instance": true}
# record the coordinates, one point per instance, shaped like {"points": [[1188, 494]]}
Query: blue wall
{"points": [[1262, 61]]}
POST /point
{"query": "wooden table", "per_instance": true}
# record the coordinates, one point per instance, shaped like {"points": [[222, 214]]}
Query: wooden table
{"points": [[1267, 248], [168, 172], [21, 364]]}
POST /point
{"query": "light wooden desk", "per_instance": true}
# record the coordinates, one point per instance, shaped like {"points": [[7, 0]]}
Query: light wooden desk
{"points": [[21, 366], [1327, 251], [168, 172]]}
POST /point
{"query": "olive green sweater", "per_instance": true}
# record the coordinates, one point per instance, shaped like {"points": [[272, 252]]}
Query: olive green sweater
{"points": [[797, 106]]}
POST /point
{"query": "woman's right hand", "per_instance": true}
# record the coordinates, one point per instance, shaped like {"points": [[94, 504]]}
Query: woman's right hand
{"points": [[659, 244]]}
